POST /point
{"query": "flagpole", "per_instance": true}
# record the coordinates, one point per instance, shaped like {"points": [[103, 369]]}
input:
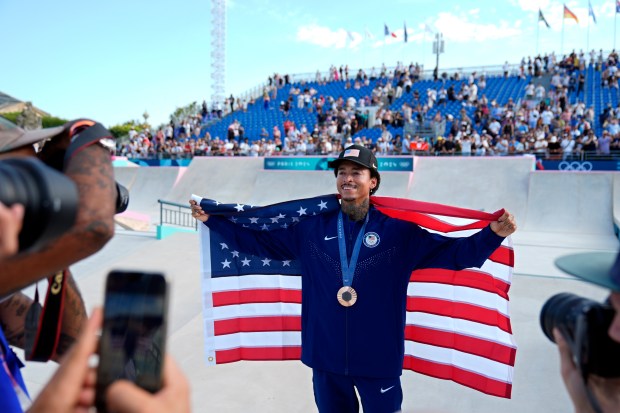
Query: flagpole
{"points": [[537, 32], [585, 90], [588, 36], [562, 41]]}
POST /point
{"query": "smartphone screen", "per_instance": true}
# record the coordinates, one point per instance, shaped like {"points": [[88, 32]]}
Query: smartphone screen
{"points": [[133, 336]]}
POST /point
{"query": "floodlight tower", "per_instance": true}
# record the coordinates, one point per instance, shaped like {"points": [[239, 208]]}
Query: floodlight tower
{"points": [[218, 50]]}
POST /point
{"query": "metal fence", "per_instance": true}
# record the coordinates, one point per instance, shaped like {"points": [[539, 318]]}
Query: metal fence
{"points": [[176, 214]]}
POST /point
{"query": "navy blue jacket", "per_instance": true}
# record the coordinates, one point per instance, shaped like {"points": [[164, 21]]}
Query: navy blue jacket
{"points": [[366, 339]]}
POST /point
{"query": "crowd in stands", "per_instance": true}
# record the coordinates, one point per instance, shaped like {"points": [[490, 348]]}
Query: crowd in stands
{"points": [[542, 122]]}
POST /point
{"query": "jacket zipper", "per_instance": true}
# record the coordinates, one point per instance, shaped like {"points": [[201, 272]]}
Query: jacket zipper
{"points": [[346, 310], [346, 341]]}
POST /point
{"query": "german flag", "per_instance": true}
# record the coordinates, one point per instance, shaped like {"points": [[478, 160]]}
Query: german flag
{"points": [[569, 14]]}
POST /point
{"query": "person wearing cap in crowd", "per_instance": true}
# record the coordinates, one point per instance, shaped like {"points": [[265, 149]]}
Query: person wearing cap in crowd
{"points": [[602, 269], [355, 266]]}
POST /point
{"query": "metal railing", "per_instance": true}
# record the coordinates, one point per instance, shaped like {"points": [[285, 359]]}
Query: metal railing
{"points": [[173, 213]]}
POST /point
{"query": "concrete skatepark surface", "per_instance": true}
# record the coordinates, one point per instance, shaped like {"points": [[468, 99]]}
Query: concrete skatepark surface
{"points": [[558, 213]]}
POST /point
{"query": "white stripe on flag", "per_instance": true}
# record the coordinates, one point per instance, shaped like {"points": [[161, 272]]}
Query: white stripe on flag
{"points": [[496, 270], [465, 361], [258, 339], [207, 298], [227, 312], [256, 281], [462, 327], [458, 294]]}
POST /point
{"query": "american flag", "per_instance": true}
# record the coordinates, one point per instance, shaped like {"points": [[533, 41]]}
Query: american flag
{"points": [[458, 323]]}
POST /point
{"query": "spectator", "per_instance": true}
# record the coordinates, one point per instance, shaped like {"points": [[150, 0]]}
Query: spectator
{"points": [[604, 144]]}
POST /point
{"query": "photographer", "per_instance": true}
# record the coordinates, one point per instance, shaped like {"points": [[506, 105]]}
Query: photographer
{"points": [[591, 393], [89, 172], [91, 169], [72, 386]]}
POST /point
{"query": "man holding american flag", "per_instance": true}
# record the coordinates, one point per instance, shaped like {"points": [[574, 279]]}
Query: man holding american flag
{"points": [[356, 265]]}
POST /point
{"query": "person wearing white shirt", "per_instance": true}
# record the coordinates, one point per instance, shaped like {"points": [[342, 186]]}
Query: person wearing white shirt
{"points": [[540, 92]]}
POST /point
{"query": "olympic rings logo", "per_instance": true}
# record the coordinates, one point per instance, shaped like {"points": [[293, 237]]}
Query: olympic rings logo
{"points": [[575, 166]]}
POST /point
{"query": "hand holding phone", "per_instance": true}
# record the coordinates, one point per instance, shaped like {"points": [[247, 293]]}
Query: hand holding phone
{"points": [[133, 336]]}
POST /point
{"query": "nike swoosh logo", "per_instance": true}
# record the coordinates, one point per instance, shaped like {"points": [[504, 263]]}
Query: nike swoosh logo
{"points": [[384, 390], [328, 238]]}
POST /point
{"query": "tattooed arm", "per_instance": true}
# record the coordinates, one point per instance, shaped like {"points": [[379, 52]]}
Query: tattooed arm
{"points": [[91, 170], [74, 318], [13, 318]]}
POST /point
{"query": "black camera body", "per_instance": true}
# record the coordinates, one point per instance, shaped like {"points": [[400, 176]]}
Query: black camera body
{"points": [[584, 323]]}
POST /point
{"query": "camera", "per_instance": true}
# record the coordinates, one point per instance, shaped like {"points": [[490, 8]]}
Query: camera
{"points": [[50, 199], [584, 323]]}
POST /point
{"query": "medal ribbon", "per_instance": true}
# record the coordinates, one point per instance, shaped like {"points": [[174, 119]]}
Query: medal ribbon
{"points": [[348, 268]]}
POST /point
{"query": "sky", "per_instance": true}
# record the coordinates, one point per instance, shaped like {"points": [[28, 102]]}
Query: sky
{"points": [[113, 61]]}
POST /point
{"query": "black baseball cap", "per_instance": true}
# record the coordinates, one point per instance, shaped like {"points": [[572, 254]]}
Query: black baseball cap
{"points": [[600, 268], [360, 155]]}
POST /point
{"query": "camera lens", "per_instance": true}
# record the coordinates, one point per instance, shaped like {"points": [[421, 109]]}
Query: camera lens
{"points": [[122, 198], [584, 324], [50, 199], [562, 311]]}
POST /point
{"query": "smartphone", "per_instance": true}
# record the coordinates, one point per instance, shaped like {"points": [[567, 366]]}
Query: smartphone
{"points": [[133, 336]]}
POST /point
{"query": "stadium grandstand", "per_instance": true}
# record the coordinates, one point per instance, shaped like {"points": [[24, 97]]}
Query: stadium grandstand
{"points": [[553, 109]]}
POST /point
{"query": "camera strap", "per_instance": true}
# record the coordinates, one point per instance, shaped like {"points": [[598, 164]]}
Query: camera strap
{"points": [[591, 398], [43, 324], [85, 132]]}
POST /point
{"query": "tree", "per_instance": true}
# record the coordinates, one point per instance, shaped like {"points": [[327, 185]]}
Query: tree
{"points": [[122, 130], [46, 121], [181, 113]]}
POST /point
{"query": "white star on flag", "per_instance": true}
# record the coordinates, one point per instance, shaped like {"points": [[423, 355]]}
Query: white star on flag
{"points": [[286, 263], [226, 264], [239, 207], [302, 211], [265, 227], [245, 262], [253, 220], [235, 254], [322, 205], [224, 246], [266, 262]]}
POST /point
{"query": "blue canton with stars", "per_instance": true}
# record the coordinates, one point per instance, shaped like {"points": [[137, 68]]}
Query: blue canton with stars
{"points": [[226, 260]]}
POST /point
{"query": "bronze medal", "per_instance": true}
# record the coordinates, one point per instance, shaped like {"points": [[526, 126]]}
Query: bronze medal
{"points": [[347, 296]]}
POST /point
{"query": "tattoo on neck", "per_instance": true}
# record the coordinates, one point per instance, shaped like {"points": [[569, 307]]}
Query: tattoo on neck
{"points": [[356, 212]]}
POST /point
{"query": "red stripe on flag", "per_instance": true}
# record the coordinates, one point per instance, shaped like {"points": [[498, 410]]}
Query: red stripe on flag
{"points": [[503, 255], [464, 377], [258, 354], [274, 295], [467, 344], [430, 222], [256, 324], [463, 311], [400, 204], [479, 280]]}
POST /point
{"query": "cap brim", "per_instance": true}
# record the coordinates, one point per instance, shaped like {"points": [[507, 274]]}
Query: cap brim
{"points": [[593, 267], [28, 137]]}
